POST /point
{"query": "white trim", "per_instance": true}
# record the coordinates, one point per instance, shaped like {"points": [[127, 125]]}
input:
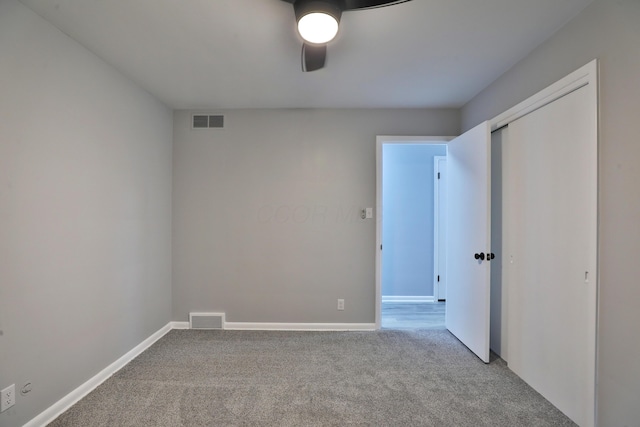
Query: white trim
{"points": [[585, 75], [55, 410], [380, 141], [263, 326], [399, 139], [407, 299], [179, 325]]}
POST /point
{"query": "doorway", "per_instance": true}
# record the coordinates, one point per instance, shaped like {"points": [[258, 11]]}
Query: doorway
{"points": [[408, 270]]}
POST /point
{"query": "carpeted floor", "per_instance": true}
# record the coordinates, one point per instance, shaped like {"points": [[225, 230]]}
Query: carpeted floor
{"points": [[247, 378]]}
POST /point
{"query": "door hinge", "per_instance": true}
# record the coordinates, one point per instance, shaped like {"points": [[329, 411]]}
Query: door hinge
{"points": [[438, 277], [380, 247], [438, 175]]}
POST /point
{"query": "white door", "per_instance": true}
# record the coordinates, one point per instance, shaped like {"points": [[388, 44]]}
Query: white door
{"points": [[440, 227], [551, 229], [469, 243]]}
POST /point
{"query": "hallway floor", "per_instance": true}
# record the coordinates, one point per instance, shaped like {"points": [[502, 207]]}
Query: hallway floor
{"points": [[423, 315]]}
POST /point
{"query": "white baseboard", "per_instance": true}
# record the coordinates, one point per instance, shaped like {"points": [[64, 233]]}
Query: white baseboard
{"points": [[179, 325], [408, 299], [262, 326], [55, 410], [267, 326]]}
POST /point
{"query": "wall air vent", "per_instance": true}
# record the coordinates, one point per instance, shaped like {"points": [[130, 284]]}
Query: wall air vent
{"points": [[206, 320], [205, 121]]}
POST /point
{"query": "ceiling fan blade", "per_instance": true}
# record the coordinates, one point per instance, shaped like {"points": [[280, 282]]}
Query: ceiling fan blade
{"points": [[313, 56], [369, 4], [358, 4]]}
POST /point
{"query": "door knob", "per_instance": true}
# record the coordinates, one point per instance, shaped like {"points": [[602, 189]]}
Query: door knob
{"points": [[490, 256], [479, 256]]}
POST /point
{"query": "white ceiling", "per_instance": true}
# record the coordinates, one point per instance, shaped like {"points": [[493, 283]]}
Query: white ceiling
{"points": [[218, 54]]}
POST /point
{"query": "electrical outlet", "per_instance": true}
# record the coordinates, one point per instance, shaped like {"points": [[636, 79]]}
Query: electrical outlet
{"points": [[8, 398], [340, 304]]}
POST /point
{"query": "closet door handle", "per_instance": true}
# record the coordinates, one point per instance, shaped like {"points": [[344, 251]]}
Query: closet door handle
{"points": [[490, 256], [479, 256]]}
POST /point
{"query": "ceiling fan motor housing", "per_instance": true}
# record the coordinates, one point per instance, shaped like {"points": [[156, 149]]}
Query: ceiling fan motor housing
{"points": [[304, 7], [316, 33]]}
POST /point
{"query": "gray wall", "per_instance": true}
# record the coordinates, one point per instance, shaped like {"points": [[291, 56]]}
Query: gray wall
{"points": [[85, 213], [266, 211], [608, 30]]}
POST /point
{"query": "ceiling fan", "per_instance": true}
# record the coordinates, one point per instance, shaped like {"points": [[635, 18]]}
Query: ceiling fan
{"points": [[318, 22]]}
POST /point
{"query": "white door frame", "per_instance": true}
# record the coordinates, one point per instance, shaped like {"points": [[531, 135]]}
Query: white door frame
{"points": [[380, 141], [439, 247], [587, 75]]}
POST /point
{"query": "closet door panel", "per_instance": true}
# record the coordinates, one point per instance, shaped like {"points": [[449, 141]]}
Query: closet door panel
{"points": [[552, 245]]}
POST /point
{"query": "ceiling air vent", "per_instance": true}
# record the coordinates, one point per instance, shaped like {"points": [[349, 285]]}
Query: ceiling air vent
{"points": [[204, 121]]}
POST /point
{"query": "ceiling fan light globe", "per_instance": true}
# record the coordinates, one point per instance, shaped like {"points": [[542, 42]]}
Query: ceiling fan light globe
{"points": [[318, 27]]}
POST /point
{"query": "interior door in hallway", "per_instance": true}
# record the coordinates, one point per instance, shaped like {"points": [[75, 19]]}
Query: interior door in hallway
{"points": [[440, 228], [469, 238]]}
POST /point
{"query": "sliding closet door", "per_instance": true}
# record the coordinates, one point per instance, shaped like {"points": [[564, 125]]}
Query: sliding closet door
{"points": [[551, 204]]}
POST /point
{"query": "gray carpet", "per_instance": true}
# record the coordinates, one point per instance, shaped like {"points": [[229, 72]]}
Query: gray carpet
{"points": [[246, 378]]}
